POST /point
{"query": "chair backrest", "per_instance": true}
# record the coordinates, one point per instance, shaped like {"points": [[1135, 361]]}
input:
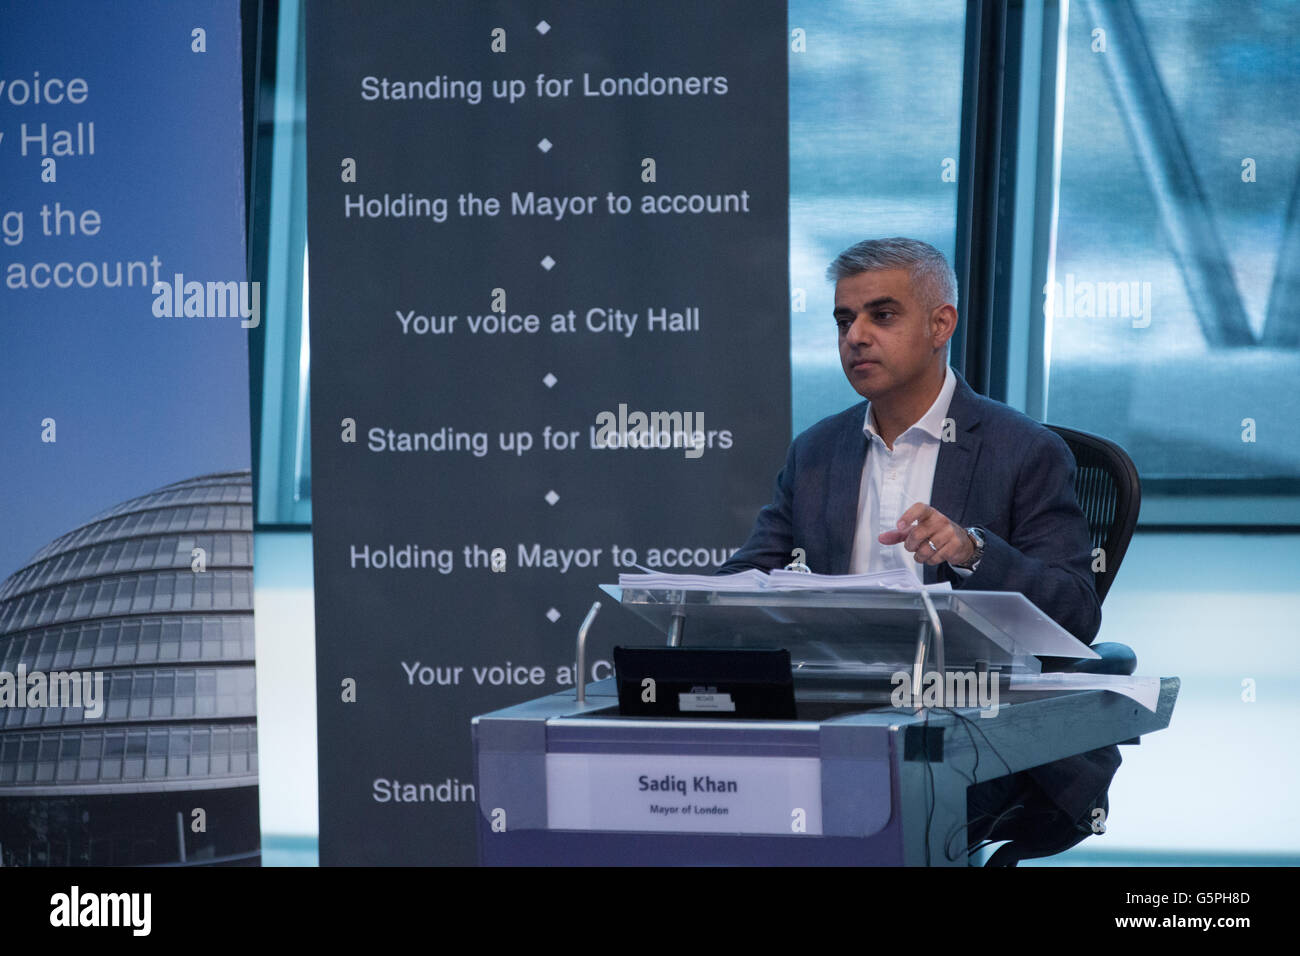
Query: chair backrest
{"points": [[1109, 490]]}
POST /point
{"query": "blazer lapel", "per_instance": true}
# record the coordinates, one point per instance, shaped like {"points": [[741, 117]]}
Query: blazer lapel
{"points": [[844, 481], [955, 469]]}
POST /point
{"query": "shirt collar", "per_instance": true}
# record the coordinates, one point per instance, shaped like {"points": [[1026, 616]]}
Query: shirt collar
{"points": [[931, 423]]}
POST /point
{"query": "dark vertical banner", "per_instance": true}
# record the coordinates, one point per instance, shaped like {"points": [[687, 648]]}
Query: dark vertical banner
{"points": [[550, 341], [127, 698]]}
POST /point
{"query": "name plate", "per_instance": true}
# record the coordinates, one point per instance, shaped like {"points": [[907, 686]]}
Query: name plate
{"points": [[684, 794], [720, 702]]}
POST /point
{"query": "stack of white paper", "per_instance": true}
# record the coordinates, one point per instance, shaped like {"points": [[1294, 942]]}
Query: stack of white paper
{"points": [[750, 580], [898, 579], [754, 580]]}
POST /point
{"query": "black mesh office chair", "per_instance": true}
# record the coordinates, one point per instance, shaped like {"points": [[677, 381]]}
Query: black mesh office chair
{"points": [[1109, 490], [1110, 494]]}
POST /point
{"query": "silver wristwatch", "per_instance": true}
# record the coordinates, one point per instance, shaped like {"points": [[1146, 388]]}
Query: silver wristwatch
{"points": [[978, 538]]}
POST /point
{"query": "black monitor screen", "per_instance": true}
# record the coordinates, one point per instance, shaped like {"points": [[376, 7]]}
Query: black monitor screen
{"points": [[704, 682]]}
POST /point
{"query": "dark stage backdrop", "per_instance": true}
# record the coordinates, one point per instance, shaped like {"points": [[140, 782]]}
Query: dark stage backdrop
{"points": [[526, 221]]}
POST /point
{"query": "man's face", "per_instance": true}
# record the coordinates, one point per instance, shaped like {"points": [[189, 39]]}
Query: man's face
{"points": [[886, 335]]}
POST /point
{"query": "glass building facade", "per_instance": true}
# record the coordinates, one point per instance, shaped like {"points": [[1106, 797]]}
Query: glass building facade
{"points": [[152, 601]]}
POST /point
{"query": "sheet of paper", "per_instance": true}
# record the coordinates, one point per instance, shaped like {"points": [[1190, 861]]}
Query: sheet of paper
{"points": [[780, 580], [750, 580], [1144, 690], [898, 579]]}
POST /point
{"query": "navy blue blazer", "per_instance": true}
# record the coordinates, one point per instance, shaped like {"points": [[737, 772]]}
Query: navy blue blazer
{"points": [[1005, 474]]}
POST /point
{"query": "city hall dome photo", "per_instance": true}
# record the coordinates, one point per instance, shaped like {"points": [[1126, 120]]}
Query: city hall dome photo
{"points": [[152, 602]]}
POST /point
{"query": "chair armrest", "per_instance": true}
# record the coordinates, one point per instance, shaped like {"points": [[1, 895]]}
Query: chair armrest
{"points": [[1115, 659]]}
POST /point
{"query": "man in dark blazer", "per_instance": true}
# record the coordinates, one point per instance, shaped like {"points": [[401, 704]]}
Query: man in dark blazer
{"points": [[927, 474]]}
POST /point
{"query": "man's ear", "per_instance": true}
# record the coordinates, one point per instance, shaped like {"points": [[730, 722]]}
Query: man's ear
{"points": [[943, 323]]}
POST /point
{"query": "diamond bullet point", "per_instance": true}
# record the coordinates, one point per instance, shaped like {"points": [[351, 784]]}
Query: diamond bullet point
{"points": [[543, 28], [552, 615], [550, 380], [548, 263], [552, 497], [545, 145]]}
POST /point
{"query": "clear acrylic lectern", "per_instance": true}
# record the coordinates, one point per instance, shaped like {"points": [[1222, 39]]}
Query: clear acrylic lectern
{"points": [[854, 779]]}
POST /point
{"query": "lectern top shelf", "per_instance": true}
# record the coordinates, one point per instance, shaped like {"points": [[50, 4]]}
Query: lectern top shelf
{"points": [[857, 630]]}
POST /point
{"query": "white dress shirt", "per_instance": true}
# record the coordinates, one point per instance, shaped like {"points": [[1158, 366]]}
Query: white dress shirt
{"points": [[895, 479]]}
